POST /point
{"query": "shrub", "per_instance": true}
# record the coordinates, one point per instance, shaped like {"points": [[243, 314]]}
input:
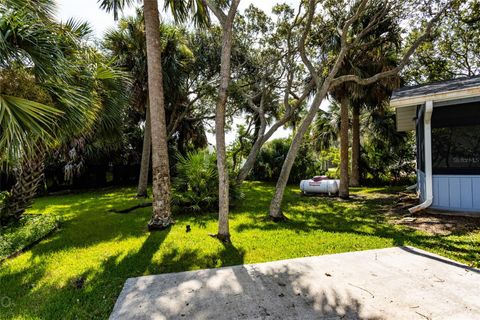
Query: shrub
{"points": [[196, 182], [25, 232], [271, 157]]}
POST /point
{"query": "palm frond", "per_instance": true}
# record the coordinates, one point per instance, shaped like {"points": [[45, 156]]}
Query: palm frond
{"points": [[115, 6], [183, 10], [78, 29], [21, 122], [44, 9]]}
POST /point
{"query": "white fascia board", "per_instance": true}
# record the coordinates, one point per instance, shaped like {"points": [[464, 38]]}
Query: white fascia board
{"points": [[435, 97]]}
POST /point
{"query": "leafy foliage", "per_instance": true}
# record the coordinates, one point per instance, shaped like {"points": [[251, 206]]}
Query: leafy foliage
{"points": [[54, 86], [28, 230], [453, 51], [388, 156], [271, 157], [196, 182]]}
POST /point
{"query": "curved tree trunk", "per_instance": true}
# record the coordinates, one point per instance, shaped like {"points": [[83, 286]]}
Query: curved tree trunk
{"points": [[355, 175], [161, 216], [329, 83], [344, 191], [28, 179], [276, 203], [252, 156], [262, 138], [145, 162]]}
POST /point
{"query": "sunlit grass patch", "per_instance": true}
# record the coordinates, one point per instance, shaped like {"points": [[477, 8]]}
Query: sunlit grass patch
{"points": [[28, 230], [101, 249]]}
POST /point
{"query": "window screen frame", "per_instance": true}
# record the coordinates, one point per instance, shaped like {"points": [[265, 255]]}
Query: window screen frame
{"points": [[464, 115]]}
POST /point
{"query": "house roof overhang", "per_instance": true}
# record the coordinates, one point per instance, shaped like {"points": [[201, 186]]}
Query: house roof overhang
{"points": [[406, 100]]}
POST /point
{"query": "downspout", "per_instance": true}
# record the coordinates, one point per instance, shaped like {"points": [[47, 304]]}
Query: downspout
{"points": [[428, 159]]}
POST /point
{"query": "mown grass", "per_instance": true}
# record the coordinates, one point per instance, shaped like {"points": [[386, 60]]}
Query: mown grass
{"points": [[105, 248], [25, 232]]}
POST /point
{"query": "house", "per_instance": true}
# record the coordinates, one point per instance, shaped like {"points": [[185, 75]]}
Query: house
{"points": [[446, 118]]}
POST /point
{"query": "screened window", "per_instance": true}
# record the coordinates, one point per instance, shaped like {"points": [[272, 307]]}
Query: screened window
{"points": [[456, 139]]}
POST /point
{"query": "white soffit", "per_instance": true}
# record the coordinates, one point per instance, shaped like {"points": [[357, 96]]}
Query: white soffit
{"points": [[406, 118]]}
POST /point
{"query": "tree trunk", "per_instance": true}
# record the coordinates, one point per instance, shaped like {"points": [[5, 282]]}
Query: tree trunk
{"points": [[28, 179], [344, 192], [225, 62], [355, 174], [262, 138], [161, 217], [252, 156], [275, 206], [145, 162], [223, 184]]}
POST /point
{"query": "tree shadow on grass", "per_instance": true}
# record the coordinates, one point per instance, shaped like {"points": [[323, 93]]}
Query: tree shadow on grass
{"points": [[100, 285], [363, 216], [87, 220], [93, 298]]}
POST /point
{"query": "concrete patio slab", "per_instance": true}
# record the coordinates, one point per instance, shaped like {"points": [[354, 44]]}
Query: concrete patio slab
{"points": [[393, 283]]}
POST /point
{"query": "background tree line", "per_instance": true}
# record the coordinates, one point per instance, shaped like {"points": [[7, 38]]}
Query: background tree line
{"points": [[148, 95]]}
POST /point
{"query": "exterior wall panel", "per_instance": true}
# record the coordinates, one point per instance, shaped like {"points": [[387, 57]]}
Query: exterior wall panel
{"points": [[443, 191], [455, 192], [476, 192], [466, 193]]}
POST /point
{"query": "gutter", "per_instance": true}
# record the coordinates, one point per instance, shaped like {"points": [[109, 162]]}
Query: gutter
{"points": [[428, 159]]}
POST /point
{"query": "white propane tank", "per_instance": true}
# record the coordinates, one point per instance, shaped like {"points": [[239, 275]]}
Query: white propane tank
{"points": [[329, 186]]}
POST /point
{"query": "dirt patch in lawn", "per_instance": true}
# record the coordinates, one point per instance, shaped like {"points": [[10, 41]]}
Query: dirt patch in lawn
{"points": [[430, 221]]}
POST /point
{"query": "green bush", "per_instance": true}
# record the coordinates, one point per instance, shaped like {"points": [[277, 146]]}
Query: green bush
{"points": [[28, 230], [3, 198], [196, 182], [271, 157], [388, 156]]}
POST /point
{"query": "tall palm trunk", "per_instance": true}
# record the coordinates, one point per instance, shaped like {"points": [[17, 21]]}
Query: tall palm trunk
{"points": [[145, 162], [161, 217], [344, 191], [355, 174], [28, 178]]}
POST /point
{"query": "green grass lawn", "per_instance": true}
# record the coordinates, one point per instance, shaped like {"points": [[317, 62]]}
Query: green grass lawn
{"points": [[106, 248]]}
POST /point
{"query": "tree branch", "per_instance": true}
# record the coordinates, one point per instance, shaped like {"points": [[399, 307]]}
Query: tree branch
{"points": [[366, 81]]}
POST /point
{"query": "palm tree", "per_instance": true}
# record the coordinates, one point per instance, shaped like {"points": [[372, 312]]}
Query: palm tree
{"points": [[128, 47], [52, 87], [363, 62], [26, 40], [326, 128], [373, 98], [161, 217]]}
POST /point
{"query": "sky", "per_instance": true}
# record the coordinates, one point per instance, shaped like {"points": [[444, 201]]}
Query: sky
{"points": [[88, 10], [100, 21]]}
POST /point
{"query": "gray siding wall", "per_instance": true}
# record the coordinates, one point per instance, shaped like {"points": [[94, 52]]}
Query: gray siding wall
{"points": [[452, 192], [456, 192]]}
